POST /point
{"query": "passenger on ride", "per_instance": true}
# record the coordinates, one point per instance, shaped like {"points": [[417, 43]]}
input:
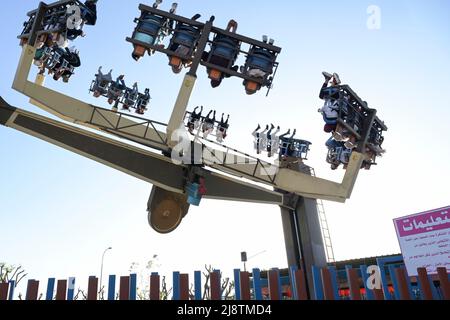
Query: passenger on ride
{"points": [[259, 138], [90, 16], [194, 119], [116, 90], [330, 113], [183, 43], [54, 59], [44, 52], [130, 97], [328, 90], [330, 109], [272, 140], [263, 139], [256, 135], [142, 101], [337, 153], [259, 65], [222, 128], [369, 159], [74, 33], [290, 148], [151, 30], [287, 146], [224, 52], [69, 59], [283, 143], [208, 124], [101, 83]]}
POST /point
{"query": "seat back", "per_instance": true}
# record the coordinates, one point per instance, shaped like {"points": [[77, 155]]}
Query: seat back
{"points": [[186, 35], [261, 59], [225, 47]]}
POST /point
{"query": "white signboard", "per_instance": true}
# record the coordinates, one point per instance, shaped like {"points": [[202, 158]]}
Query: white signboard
{"points": [[425, 240]]}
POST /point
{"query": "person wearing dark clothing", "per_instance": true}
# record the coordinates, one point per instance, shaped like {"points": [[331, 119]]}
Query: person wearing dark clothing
{"points": [[222, 128], [90, 16], [194, 119], [209, 123], [223, 53], [143, 101]]}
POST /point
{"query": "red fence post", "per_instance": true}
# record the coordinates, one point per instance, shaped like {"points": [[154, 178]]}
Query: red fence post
{"points": [[215, 285], [154, 287], [424, 283], [92, 288], [244, 281], [274, 285], [402, 284], [124, 290], [301, 284], [61, 290], [443, 280], [327, 284], [32, 290], [184, 286], [353, 284], [4, 288]]}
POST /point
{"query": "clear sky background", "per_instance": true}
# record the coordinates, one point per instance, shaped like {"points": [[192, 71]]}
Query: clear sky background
{"points": [[59, 211]]}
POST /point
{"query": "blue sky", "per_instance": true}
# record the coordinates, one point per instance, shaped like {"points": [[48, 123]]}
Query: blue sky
{"points": [[60, 211]]}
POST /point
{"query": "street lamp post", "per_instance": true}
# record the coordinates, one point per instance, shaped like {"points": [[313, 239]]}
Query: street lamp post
{"points": [[101, 270], [245, 259]]}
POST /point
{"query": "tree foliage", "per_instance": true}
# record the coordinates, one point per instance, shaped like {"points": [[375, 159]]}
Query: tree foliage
{"points": [[11, 273]]}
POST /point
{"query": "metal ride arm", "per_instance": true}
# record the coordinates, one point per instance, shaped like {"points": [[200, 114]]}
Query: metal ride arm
{"points": [[148, 166], [73, 110], [144, 132]]}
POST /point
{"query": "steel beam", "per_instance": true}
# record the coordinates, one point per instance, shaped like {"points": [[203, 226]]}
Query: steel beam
{"points": [[142, 164], [76, 111]]}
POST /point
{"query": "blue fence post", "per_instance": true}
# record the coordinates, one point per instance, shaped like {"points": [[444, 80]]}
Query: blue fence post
{"points": [[381, 262], [12, 286], [112, 287], [50, 289], [365, 278], [293, 281], [237, 283], [318, 287], [198, 285], [71, 289], [384, 283], [394, 282], [334, 283], [133, 286], [176, 286], [257, 291]]}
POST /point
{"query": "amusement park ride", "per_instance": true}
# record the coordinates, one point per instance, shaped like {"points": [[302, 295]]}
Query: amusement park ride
{"points": [[203, 168]]}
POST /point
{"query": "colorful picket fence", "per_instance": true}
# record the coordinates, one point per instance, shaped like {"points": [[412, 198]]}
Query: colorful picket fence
{"points": [[252, 286]]}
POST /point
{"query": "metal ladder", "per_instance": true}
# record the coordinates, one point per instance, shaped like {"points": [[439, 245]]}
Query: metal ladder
{"points": [[324, 226]]}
